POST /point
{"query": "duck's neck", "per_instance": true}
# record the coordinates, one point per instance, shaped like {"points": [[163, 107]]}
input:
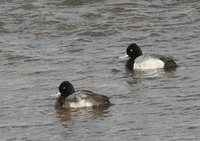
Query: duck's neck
{"points": [[130, 63]]}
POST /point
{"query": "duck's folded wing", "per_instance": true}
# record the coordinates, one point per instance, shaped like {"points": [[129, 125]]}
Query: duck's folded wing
{"points": [[169, 61], [94, 98]]}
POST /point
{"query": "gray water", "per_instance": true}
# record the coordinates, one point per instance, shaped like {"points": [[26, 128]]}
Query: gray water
{"points": [[43, 42]]}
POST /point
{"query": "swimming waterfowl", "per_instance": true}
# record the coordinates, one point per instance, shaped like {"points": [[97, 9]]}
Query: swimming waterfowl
{"points": [[138, 61], [81, 99]]}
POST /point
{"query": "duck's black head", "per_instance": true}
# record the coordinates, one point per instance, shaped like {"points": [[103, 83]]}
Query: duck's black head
{"points": [[66, 89], [133, 51]]}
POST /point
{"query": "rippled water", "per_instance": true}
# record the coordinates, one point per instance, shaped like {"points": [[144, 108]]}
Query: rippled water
{"points": [[43, 42]]}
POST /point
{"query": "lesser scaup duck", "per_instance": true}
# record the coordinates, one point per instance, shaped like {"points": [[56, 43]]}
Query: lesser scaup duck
{"points": [[70, 99], [138, 61]]}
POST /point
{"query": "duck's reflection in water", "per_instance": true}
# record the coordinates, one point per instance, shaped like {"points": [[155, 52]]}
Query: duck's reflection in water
{"points": [[72, 113]]}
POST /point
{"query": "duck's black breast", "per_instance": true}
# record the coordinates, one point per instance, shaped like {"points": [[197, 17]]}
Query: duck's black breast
{"points": [[129, 64], [60, 102]]}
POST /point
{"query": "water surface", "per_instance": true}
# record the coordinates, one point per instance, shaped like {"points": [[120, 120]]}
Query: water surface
{"points": [[43, 42]]}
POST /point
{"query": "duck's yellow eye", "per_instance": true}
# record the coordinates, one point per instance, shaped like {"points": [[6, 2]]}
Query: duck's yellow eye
{"points": [[64, 88], [131, 50]]}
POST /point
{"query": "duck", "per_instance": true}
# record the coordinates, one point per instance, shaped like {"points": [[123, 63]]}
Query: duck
{"points": [[138, 61], [68, 98]]}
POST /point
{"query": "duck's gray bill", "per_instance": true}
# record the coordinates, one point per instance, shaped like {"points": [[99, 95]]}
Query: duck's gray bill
{"points": [[56, 95], [125, 56]]}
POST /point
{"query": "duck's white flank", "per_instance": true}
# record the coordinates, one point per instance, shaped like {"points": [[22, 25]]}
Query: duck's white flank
{"points": [[150, 63], [80, 104]]}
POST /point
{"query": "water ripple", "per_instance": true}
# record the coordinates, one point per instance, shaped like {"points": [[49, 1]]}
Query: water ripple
{"points": [[45, 42]]}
